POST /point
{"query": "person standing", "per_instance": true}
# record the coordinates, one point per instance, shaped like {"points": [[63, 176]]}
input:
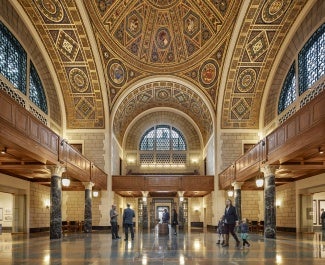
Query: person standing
{"points": [[165, 216], [128, 216], [322, 217], [174, 221], [230, 221], [114, 227]]}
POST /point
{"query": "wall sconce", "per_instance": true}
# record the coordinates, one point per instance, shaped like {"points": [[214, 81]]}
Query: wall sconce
{"points": [[95, 193], [4, 151], [230, 193], [278, 204], [320, 150], [47, 204], [181, 199], [65, 182]]}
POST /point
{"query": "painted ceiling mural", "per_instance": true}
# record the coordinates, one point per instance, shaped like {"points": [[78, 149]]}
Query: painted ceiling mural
{"points": [[139, 39]]}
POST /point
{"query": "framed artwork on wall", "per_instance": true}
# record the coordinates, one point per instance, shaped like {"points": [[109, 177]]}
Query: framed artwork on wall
{"points": [[1, 214], [314, 212], [321, 205]]}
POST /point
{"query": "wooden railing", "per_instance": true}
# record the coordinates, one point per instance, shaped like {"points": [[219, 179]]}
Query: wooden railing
{"points": [[306, 128], [26, 135], [162, 183]]}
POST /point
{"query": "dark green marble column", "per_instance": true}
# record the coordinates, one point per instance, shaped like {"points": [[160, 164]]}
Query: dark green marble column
{"points": [[56, 201], [269, 201], [88, 202], [237, 195]]}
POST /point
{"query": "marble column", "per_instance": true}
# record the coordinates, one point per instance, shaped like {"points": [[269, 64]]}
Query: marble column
{"points": [[181, 209], [56, 201], [145, 209], [88, 200], [269, 201], [237, 196]]}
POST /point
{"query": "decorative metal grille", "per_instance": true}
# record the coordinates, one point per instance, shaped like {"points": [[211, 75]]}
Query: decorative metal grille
{"points": [[162, 138], [158, 144], [147, 158], [288, 92], [162, 158], [179, 158], [311, 60], [36, 91], [14, 95], [307, 97], [147, 141], [13, 59]]}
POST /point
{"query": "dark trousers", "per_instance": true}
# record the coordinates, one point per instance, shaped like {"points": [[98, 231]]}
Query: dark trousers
{"points": [[230, 228], [114, 229], [126, 230]]}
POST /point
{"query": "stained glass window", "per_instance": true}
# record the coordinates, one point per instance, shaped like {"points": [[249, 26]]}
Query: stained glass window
{"points": [[311, 60], [162, 138], [13, 59], [36, 91], [288, 92]]}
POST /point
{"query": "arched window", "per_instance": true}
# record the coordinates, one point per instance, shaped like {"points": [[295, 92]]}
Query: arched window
{"points": [[13, 66], [36, 91], [163, 145], [13, 59], [162, 138], [311, 67], [288, 92], [311, 60]]}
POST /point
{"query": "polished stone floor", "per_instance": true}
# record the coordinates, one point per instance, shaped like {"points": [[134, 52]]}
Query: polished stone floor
{"points": [[148, 247]]}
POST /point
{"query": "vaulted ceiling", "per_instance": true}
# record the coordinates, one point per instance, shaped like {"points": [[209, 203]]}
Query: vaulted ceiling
{"points": [[205, 58]]}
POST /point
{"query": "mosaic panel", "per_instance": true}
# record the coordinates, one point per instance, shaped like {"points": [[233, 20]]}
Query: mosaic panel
{"points": [[165, 37], [262, 33], [167, 94], [62, 30]]}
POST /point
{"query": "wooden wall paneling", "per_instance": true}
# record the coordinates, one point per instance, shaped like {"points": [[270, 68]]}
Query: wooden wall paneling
{"points": [[7, 109]]}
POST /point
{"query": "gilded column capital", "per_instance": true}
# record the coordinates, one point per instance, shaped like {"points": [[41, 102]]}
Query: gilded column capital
{"points": [[237, 184], [57, 170], [88, 185], [269, 170]]}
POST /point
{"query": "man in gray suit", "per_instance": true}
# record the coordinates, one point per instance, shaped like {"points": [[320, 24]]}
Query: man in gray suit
{"points": [[128, 216]]}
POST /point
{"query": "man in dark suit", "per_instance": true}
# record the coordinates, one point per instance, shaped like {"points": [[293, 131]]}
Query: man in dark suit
{"points": [[128, 216], [230, 221], [165, 216]]}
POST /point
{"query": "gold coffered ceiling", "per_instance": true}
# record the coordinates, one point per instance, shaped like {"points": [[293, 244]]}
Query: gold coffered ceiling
{"points": [[138, 40]]}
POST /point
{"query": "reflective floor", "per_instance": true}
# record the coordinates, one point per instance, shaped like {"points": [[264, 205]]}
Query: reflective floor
{"points": [[148, 247]]}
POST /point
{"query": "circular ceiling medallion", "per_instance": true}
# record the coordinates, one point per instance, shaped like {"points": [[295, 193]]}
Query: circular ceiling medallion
{"points": [[117, 73], [274, 9], [51, 9], [208, 73], [246, 80], [163, 38], [79, 80], [157, 33]]}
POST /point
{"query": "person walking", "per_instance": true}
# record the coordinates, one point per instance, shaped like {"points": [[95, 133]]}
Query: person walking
{"points": [[244, 232], [322, 217], [165, 216], [230, 221], [174, 221], [128, 216], [114, 227], [220, 231]]}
